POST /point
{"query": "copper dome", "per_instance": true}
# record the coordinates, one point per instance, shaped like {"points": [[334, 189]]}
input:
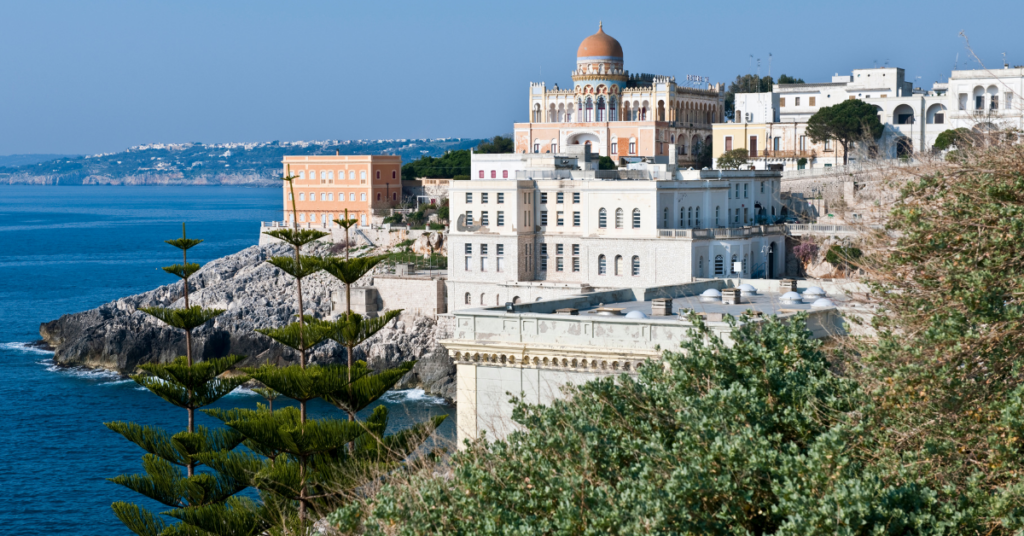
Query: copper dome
{"points": [[600, 45]]}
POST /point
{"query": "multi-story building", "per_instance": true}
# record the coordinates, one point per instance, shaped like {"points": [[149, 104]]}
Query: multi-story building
{"points": [[327, 185], [772, 126], [549, 225], [617, 113]]}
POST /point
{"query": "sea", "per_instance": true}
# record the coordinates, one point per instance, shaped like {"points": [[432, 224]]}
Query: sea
{"points": [[65, 249]]}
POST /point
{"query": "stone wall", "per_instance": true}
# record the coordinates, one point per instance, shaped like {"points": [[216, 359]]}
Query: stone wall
{"points": [[420, 294]]}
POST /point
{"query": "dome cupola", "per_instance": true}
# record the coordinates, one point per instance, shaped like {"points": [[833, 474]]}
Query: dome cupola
{"points": [[599, 46]]}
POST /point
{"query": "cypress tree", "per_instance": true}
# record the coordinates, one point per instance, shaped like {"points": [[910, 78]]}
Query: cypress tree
{"points": [[189, 385]]}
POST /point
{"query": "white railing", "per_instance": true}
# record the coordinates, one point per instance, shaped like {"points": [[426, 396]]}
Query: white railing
{"points": [[722, 232], [816, 228]]}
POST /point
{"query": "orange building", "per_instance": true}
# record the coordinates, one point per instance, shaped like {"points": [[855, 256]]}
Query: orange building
{"points": [[327, 185]]}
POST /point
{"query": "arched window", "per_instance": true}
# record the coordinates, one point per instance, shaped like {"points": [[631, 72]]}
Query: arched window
{"points": [[352, 196], [719, 265], [682, 216], [618, 265], [636, 265], [602, 218], [302, 196], [497, 299], [482, 298], [600, 110], [618, 218], [536, 113], [611, 110], [352, 175], [732, 266], [636, 218], [716, 217], [602, 268], [696, 218], [588, 116], [377, 176], [515, 299], [330, 176], [362, 175], [362, 196], [378, 196], [689, 217], [394, 174], [469, 299], [394, 196]]}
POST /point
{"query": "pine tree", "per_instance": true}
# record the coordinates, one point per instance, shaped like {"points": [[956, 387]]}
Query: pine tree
{"points": [[189, 385], [346, 223]]}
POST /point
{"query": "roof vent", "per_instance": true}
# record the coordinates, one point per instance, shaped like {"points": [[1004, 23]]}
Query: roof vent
{"points": [[790, 298]]}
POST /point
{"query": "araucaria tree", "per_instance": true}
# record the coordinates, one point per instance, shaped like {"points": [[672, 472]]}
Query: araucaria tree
{"points": [[171, 460], [847, 122], [309, 467]]}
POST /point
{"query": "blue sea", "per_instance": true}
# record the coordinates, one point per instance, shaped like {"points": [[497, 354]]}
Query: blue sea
{"points": [[65, 249]]}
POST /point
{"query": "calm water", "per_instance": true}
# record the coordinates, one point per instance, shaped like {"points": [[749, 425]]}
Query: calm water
{"points": [[70, 248]]}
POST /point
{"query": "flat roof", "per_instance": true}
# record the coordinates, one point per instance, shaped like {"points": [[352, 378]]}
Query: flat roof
{"points": [[766, 303]]}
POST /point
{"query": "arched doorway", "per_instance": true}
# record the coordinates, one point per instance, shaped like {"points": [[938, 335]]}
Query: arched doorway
{"points": [[771, 260]]}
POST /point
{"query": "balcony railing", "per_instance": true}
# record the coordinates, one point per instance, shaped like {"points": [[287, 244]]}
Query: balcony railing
{"points": [[722, 232], [768, 153]]}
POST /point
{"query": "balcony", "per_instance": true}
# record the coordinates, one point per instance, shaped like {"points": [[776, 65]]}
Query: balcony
{"points": [[768, 153], [722, 232]]}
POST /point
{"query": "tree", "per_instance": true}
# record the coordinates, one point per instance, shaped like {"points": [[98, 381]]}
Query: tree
{"points": [[847, 122], [748, 83], [498, 144], [704, 156], [786, 79], [606, 163], [959, 137], [733, 159], [189, 385], [348, 223], [745, 438]]}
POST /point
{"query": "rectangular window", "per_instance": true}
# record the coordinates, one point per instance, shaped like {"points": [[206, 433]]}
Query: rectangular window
{"points": [[797, 101], [483, 249], [543, 217], [469, 264], [483, 264], [543, 198], [559, 218], [728, 143], [979, 102], [782, 102], [469, 197], [483, 197], [753, 146], [737, 219], [575, 264], [499, 264], [762, 187], [632, 147], [963, 101], [469, 249], [1007, 98], [615, 147], [501, 219], [575, 249], [744, 191], [501, 198], [494, 174], [484, 220], [575, 198], [469, 217], [481, 173], [575, 219], [939, 119], [500, 249], [811, 101], [745, 219], [559, 249], [777, 143], [559, 197], [828, 145], [558, 265], [544, 257], [803, 143], [504, 173]]}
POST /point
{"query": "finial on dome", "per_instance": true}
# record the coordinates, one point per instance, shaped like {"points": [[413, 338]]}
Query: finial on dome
{"points": [[600, 25]]}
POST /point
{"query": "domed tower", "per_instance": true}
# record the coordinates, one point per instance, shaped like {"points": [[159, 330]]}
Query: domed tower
{"points": [[599, 77]]}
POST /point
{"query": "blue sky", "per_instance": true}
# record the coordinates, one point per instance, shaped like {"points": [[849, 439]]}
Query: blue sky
{"points": [[102, 75]]}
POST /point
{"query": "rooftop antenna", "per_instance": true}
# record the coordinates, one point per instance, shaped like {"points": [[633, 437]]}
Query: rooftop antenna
{"points": [[886, 62], [758, 75], [956, 62], [1004, 61], [770, 65]]}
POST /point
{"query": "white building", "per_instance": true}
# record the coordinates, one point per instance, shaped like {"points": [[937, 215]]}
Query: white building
{"points": [[912, 117], [544, 225]]}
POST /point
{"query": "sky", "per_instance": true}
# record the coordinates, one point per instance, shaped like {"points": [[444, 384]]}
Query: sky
{"points": [[100, 76]]}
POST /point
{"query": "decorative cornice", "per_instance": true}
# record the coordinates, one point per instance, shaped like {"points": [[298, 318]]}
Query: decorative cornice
{"points": [[584, 77]]}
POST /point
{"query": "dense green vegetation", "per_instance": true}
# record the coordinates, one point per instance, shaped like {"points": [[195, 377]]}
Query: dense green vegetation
{"points": [[952, 138], [918, 429], [455, 164]]}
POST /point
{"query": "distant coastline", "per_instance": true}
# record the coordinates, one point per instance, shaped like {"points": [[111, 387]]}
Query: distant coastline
{"points": [[198, 164]]}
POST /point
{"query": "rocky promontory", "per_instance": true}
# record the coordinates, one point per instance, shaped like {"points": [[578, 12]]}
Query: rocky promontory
{"points": [[254, 294]]}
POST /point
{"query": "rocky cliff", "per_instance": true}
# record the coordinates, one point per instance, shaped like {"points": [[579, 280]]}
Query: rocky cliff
{"points": [[254, 294]]}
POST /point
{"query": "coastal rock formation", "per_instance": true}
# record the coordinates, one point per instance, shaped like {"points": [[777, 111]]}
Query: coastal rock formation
{"points": [[254, 294]]}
